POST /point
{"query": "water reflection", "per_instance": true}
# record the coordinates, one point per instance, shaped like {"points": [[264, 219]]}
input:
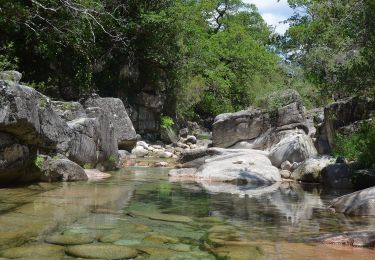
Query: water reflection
{"points": [[138, 206]]}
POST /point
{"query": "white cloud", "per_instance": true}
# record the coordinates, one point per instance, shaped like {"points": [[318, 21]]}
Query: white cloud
{"points": [[273, 12]]}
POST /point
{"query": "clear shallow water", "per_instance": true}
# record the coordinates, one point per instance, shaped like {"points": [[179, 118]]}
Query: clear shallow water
{"points": [[139, 208]]}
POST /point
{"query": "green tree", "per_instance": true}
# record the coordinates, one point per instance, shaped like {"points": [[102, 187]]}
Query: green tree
{"points": [[333, 42]]}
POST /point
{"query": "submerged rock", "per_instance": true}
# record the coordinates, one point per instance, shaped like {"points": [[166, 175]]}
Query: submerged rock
{"points": [[34, 251], [360, 203], [70, 239], [104, 251], [365, 238], [162, 217], [161, 239]]}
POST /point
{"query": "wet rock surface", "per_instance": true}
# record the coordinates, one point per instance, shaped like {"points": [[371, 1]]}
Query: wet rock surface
{"points": [[364, 238], [360, 203]]}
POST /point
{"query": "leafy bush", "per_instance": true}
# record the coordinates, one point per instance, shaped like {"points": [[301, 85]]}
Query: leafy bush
{"points": [[166, 122], [358, 146], [39, 161]]}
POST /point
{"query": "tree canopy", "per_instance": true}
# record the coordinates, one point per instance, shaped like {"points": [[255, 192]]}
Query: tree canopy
{"points": [[334, 43]]}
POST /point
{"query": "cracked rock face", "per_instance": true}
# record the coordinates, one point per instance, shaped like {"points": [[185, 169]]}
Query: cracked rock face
{"points": [[29, 116]]}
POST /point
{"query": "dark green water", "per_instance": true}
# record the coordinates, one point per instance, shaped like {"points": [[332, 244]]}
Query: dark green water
{"points": [[139, 213]]}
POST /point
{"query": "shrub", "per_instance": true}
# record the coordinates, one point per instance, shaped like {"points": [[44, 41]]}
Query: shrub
{"points": [[358, 146], [166, 122], [39, 161]]}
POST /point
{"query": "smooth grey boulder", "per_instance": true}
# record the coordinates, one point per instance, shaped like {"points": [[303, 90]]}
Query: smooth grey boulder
{"points": [[140, 151], [56, 169], [11, 75], [114, 108], [337, 176], [310, 170], [360, 203], [236, 167], [14, 158], [293, 148], [29, 116]]}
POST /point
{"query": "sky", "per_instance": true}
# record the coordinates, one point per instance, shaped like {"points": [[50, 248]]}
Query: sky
{"points": [[273, 12]]}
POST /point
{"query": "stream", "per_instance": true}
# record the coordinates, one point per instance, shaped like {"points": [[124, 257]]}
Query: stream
{"points": [[139, 213]]}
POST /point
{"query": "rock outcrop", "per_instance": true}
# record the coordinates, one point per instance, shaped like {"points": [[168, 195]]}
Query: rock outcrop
{"points": [[360, 203], [33, 127], [283, 132], [340, 115]]}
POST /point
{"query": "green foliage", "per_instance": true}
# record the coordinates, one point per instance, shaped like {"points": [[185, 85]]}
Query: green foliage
{"points": [[166, 122], [358, 146], [87, 166], [112, 158], [39, 161], [333, 41], [8, 61]]}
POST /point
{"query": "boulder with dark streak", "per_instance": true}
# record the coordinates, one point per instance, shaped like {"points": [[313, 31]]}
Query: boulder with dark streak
{"points": [[360, 203]]}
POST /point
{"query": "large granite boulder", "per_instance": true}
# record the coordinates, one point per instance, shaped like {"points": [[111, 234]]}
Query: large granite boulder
{"points": [[107, 149], [29, 116], [57, 169], [234, 166], [293, 148], [360, 203], [114, 108], [231, 128], [340, 114]]}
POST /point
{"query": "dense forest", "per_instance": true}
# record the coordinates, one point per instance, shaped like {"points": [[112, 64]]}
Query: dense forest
{"points": [[206, 57]]}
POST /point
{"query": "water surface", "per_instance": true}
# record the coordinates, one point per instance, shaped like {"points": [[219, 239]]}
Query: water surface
{"points": [[142, 209]]}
